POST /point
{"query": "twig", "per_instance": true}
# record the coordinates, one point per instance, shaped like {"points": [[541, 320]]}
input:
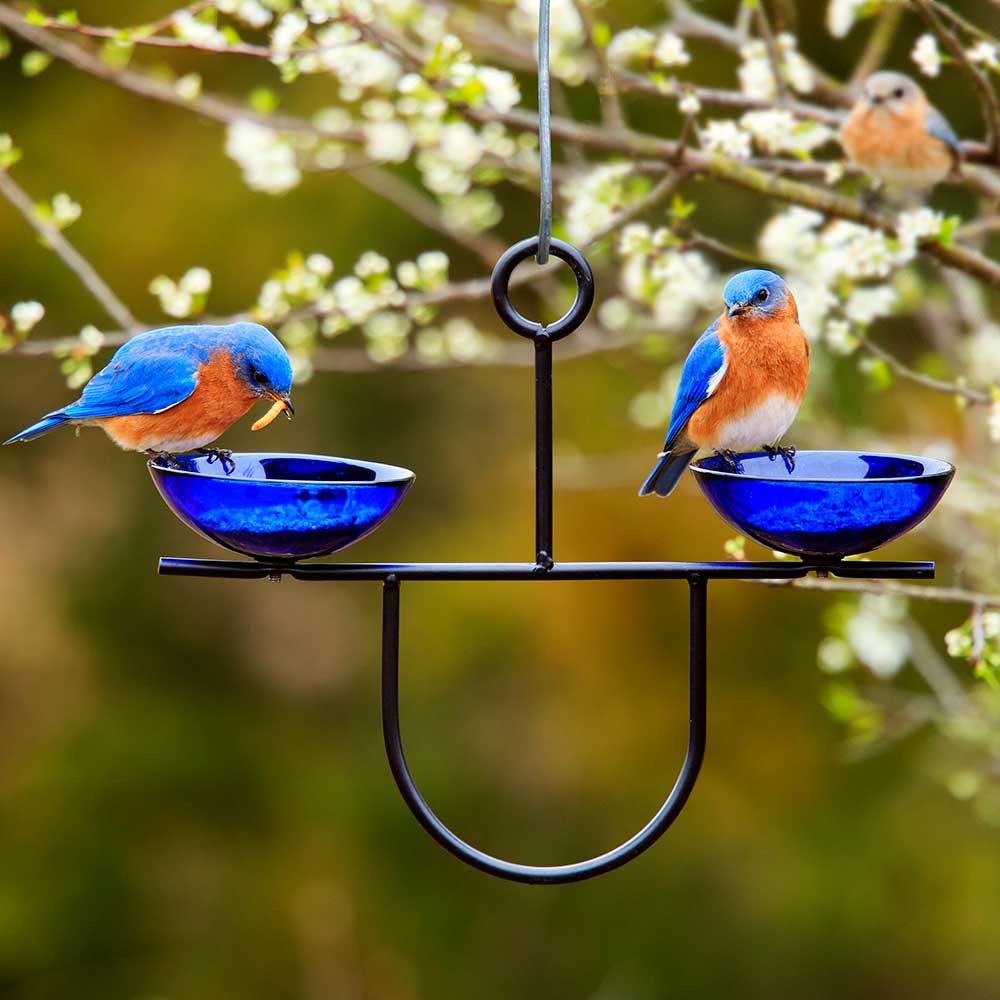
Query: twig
{"points": [[607, 88], [773, 54], [144, 85], [941, 595], [987, 96], [976, 397], [67, 253]]}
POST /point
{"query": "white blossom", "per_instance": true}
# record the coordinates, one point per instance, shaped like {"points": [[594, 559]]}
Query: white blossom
{"points": [[266, 159], [319, 264], [670, 50], [388, 142], [726, 137], [631, 47], [253, 13], [287, 32], [878, 635], [174, 301], [64, 210], [26, 315], [195, 32], [196, 281], [838, 337], [595, 199], [918, 225], [985, 53], [188, 87], [474, 212], [868, 303], [926, 55], [779, 131], [689, 104], [502, 91], [841, 15], [834, 655]]}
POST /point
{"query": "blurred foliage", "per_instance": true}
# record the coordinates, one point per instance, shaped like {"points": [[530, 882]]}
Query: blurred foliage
{"points": [[194, 802]]}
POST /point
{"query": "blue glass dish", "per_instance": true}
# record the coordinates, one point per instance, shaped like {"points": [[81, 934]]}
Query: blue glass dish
{"points": [[278, 507], [834, 503]]}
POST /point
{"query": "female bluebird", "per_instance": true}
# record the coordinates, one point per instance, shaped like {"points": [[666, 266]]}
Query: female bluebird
{"points": [[178, 389], [897, 137], [742, 383]]}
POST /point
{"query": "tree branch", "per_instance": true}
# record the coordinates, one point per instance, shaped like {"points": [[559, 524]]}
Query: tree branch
{"points": [[987, 96], [67, 253]]}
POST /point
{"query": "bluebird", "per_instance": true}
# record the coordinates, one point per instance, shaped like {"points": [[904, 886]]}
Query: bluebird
{"points": [[180, 388], [894, 135], [742, 384]]}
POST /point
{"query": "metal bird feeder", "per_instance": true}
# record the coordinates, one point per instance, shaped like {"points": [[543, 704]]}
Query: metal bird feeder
{"points": [[282, 508]]}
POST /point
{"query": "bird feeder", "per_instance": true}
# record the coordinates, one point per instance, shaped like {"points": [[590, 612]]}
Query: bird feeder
{"points": [[279, 509]]}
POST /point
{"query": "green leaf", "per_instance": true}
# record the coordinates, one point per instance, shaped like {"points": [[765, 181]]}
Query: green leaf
{"points": [[263, 100], [601, 34], [4, 45], [69, 18], [35, 62], [116, 54], [34, 16]]}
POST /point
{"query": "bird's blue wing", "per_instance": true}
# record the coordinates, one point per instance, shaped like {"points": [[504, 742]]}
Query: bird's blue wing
{"points": [[702, 372], [143, 377], [937, 126]]}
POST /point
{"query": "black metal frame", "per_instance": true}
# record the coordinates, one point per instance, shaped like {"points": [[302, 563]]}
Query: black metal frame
{"points": [[544, 568]]}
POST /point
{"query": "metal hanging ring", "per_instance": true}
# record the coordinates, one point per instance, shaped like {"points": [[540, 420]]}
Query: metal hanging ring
{"points": [[500, 287]]}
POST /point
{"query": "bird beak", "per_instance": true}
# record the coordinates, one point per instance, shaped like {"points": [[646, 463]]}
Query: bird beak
{"points": [[285, 403], [737, 308]]}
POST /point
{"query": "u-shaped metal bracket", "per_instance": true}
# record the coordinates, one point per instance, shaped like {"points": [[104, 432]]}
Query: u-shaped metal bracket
{"points": [[555, 874]]}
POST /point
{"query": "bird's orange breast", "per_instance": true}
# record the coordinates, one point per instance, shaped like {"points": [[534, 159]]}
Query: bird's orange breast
{"points": [[873, 138], [218, 401], [765, 357]]}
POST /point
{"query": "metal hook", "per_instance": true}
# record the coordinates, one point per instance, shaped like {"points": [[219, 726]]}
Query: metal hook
{"points": [[578, 312], [555, 874]]}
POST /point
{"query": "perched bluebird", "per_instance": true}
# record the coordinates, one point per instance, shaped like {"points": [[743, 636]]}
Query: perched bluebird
{"points": [[897, 137], [178, 389], [743, 382]]}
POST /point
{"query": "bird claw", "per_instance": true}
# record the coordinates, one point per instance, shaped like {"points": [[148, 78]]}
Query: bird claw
{"points": [[731, 459], [221, 455], [787, 456], [165, 457]]}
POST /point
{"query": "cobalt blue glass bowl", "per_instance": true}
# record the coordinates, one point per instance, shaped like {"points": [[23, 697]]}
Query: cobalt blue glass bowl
{"points": [[278, 507], [834, 503]]}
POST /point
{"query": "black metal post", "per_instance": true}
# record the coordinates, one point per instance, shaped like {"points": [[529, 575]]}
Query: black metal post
{"points": [[544, 552]]}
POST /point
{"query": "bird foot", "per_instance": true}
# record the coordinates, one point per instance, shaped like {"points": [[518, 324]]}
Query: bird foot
{"points": [[221, 455], [787, 455], [731, 459], [164, 457]]}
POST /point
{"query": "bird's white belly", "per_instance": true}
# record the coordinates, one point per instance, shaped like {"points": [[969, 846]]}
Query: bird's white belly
{"points": [[766, 423]]}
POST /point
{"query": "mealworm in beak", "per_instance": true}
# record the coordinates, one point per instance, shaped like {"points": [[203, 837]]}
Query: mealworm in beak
{"points": [[269, 416]]}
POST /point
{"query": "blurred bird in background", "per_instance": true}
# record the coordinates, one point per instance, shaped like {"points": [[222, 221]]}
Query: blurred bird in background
{"points": [[894, 135], [180, 388], [742, 384]]}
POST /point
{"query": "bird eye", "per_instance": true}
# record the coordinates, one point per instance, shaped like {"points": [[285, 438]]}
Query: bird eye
{"points": [[899, 93], [258, 377], [761, 296]]}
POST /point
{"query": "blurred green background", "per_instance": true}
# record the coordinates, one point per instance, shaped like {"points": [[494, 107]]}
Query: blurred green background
{"points": [[194, 801]]}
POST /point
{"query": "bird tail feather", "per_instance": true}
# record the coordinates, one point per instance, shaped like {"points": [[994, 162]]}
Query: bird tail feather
{"points": [[667, 473], [46, 424]]}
